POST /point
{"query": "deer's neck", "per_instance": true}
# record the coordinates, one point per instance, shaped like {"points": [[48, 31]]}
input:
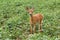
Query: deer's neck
{"points": [[31, 16]]}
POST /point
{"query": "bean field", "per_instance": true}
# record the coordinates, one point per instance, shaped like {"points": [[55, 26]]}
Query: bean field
{"points": [[14, 19]]}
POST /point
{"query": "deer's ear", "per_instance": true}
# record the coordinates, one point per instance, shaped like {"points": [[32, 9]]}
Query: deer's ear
{"points": [[33, 8], [27, 8]]}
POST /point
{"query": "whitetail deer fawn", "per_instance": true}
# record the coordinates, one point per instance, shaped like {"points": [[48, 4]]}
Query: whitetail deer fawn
{"points": [[34, 19]]}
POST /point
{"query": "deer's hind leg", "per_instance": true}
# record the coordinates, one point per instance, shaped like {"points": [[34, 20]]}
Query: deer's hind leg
{"points": [[40, 27]]}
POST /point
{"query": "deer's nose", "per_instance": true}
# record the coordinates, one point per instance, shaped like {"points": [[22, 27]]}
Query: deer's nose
{"points": [[30, 14]]}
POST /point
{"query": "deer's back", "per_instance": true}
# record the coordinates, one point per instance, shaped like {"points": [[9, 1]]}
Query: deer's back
{"points": [[37, 18]]}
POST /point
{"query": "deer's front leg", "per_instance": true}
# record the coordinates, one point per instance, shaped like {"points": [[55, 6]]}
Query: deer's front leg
{"points": [[34, 28], [31, 28]]}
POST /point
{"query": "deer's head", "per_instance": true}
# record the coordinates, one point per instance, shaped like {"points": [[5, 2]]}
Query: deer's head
{"points": [[30, 10]]}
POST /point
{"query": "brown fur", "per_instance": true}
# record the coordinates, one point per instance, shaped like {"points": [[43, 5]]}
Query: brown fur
{"points": [[37, 18]]}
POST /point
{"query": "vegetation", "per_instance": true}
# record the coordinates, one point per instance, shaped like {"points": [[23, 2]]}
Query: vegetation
{"points": [[14, 19]]}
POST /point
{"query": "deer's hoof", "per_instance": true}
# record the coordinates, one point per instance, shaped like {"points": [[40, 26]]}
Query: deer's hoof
{"points": [[41, 30]]}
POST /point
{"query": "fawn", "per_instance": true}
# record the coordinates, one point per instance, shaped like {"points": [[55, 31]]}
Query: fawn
{"points": [[34, 19]]}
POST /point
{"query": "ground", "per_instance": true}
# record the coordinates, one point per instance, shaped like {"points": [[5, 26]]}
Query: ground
{"points": [[14, 19]]}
